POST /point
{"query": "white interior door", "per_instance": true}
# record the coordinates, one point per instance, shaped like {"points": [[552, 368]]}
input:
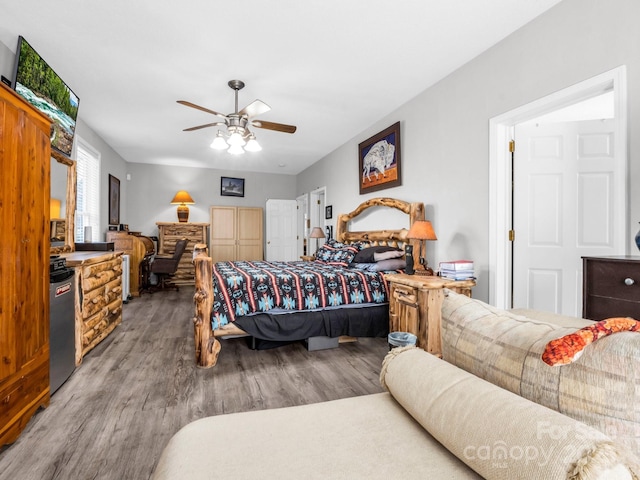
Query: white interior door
{"points": [[281, 230], [564, 196]]}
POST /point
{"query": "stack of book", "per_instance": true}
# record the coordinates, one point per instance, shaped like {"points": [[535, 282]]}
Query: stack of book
{"points": [[457, 269]]}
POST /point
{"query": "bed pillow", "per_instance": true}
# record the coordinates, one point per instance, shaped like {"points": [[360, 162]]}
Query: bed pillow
{"points": [[336, 253], [382, 266], [377, 253]]}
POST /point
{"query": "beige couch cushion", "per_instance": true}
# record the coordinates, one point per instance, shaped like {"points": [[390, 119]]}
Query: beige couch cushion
{"points": [[369, 437], [601, 388], [497, 433]]}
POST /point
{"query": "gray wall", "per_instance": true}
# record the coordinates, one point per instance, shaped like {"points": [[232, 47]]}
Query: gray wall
{"points": [[152, 188], [445, 130]]}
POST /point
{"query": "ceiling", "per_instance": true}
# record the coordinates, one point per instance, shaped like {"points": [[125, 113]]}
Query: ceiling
{"points": [[331, 67]]}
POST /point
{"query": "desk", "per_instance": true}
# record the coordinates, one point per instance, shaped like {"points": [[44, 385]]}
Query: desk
{"points": [[415, 306]]}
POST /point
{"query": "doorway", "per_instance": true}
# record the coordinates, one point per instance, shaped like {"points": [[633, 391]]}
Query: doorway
{"points": [[502, 206], [317, 202]]}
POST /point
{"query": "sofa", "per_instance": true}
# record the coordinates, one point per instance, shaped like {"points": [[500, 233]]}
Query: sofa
{"points": [[489, 408]]}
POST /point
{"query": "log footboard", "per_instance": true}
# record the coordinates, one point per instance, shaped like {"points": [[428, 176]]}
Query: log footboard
{"points": [[207, 347]]}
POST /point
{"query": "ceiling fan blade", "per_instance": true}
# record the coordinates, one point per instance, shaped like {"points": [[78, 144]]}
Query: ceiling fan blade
{"points": [[203, 126], [198, 107], [255, 108], [278, 127]]}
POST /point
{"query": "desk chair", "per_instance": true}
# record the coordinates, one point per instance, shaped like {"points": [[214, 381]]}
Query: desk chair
{"points": [[165, 267]]}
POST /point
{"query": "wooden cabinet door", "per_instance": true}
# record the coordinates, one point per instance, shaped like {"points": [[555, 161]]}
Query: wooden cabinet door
{"points": [[236, 233], [24, 280], [223, 234], [249, 236]]}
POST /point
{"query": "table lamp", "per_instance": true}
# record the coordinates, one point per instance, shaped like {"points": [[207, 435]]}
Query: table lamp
{"points": [[422, 230], [182, 199], [316, 232]]}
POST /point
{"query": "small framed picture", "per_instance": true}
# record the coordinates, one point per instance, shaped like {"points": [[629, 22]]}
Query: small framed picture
{"points": [[231, 187], [328, 212], [114, 200]]}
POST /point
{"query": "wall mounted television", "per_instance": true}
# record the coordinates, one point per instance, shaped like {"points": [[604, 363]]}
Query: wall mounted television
{"points": [[38, 84]]}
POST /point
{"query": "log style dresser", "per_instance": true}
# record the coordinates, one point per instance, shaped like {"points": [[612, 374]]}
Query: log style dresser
{"points": [[98, 297], [169, 233], [611, 287]]}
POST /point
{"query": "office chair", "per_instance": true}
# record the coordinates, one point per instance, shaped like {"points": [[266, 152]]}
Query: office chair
{"points": [[165, 267]]}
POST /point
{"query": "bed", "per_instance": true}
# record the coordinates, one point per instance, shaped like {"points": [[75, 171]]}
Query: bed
{"points": [[284, 301]]}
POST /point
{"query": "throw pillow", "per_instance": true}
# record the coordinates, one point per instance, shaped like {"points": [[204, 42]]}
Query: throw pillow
{"points": [[564, 350], [336, 253], [366, 255]]}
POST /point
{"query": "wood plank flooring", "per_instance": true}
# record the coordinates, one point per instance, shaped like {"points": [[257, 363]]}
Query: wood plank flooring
{"points": [[116, 413]]}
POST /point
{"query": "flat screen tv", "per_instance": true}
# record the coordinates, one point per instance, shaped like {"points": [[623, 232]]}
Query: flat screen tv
{"points": [[38, 84]]}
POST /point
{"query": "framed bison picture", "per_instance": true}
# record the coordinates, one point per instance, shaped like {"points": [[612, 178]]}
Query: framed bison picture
{"points": [[379, 160]]}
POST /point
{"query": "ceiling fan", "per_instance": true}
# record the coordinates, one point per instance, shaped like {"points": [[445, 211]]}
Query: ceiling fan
{"points": [[238, 137]]}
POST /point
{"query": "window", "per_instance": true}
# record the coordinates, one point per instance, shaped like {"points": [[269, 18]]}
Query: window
{"points": [[88, 191]]}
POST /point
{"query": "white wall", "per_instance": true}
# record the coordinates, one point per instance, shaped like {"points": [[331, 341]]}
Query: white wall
{"points": [[445, 135]]}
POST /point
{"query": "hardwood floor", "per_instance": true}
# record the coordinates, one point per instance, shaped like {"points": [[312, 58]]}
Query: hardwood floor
{"points": [[116, 413]]}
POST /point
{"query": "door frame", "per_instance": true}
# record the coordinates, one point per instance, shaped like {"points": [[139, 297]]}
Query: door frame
{"points": [[303, 215], [501, 132], [317, 202]]}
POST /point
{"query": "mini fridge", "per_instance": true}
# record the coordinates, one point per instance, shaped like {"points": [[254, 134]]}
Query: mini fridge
{"points": [[62, 290]]}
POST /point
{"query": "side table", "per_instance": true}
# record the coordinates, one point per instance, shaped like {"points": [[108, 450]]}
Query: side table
{"points": [[415, 306]]}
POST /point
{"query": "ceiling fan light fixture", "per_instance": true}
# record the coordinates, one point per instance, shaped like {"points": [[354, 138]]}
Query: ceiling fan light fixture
{"points": [[219, 142], [237, 134], [236, 139], [252, 145], [236, 150]]}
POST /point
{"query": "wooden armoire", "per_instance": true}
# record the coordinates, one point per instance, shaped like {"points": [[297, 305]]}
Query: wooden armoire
{"points": [[25, 163], [236, 233]]}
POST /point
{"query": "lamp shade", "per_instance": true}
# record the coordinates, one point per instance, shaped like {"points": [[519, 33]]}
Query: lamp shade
{"points": [[316, 232], [54, 208], [422, 230], [182, 197]]}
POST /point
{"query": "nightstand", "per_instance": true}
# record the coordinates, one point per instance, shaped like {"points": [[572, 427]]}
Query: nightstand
{"points": [[307, 258], [415, 304]]}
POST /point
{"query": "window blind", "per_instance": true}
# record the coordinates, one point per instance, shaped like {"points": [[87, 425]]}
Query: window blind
{"points": [[88, 191]]}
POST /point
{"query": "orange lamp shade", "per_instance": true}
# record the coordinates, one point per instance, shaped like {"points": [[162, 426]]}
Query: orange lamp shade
{"points": [[422, 230], [54, 208], [182, 199]]}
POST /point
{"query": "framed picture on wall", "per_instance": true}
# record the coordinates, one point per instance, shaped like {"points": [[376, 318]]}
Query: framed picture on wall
{"points": [[114, 200], [328, 212], [379, 160], [231, 187]]}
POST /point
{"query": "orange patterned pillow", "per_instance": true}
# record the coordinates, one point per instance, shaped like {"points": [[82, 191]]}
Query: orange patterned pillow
{"points": [[564, 350]]}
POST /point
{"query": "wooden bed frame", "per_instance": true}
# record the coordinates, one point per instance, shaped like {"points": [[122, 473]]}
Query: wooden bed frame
{"points": [[207, 346]]}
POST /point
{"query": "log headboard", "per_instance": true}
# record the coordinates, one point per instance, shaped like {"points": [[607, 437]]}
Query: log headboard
{"points": [[396, 238]]}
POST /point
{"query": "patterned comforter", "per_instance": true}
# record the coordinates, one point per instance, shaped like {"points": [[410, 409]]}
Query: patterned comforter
{"points": [[243, 288]]}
